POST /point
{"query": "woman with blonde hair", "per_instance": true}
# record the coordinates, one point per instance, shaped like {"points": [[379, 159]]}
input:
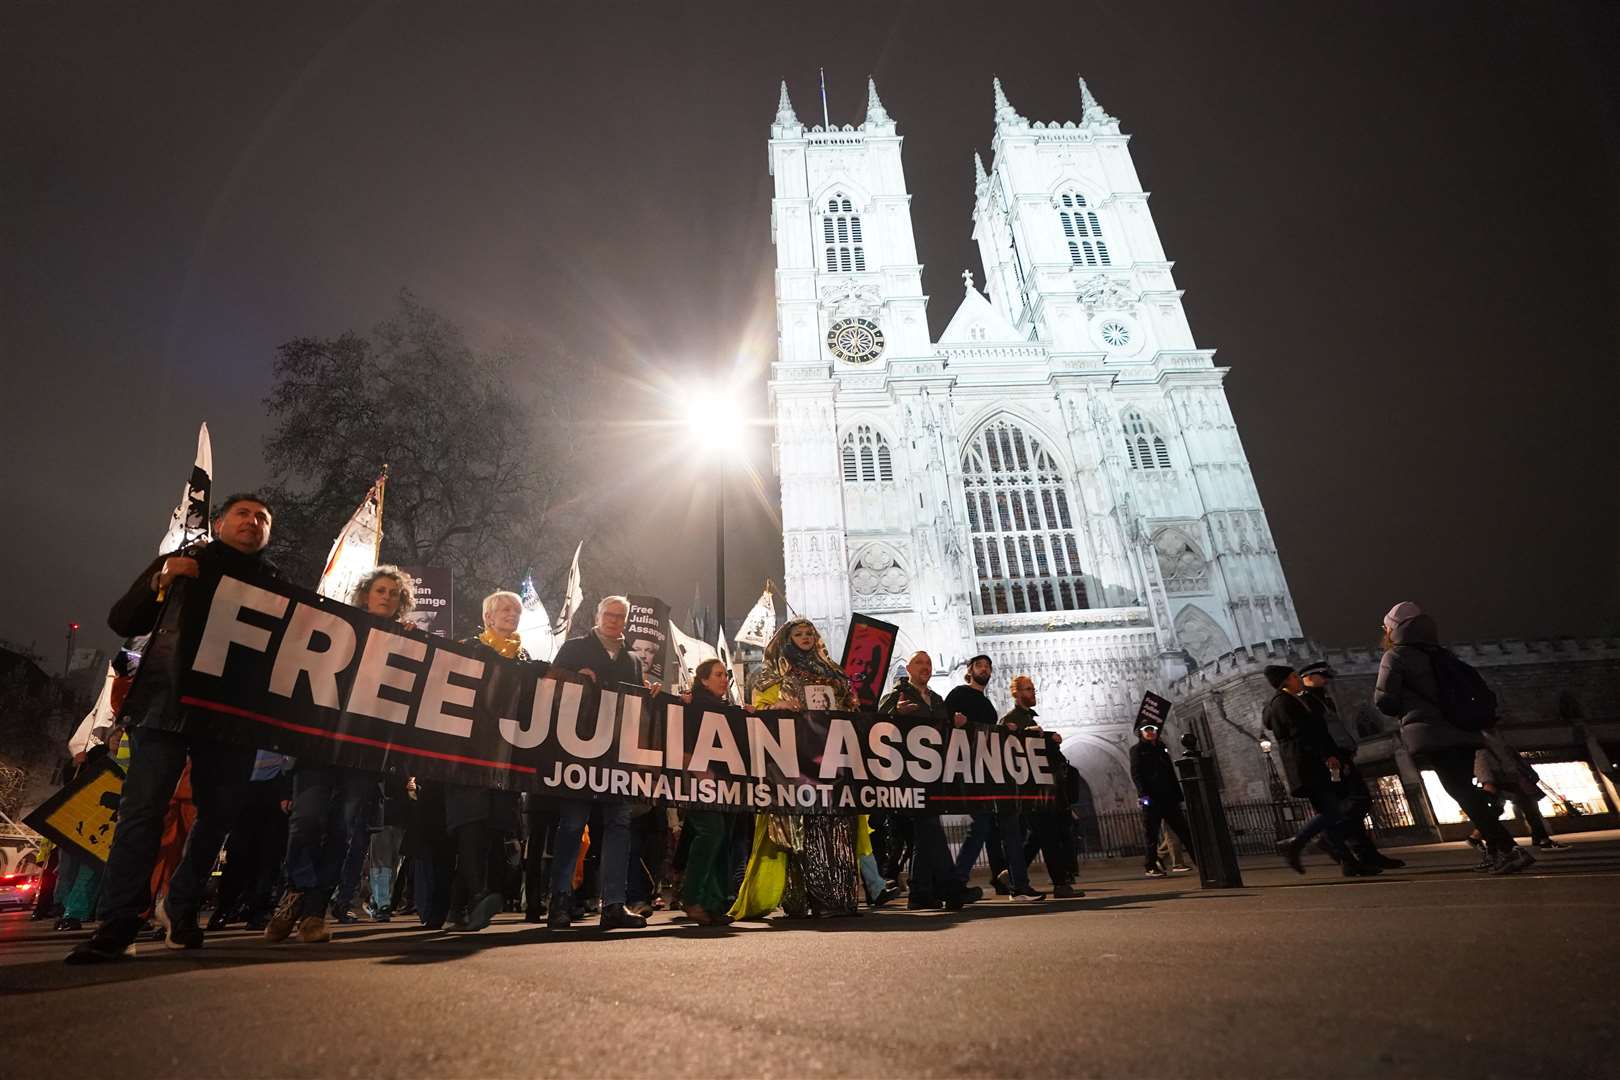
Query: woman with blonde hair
{"points": [[804, 864]]}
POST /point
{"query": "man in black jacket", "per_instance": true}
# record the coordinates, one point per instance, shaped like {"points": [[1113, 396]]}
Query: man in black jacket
{"points": [[1352, 786], [166, 733], [1310, 760], [933, 879], [600, 656], [1051, 829], [1159, 792], [1003, 822]]}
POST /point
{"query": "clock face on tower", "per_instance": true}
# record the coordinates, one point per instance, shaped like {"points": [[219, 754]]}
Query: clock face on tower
{"points": [[858, 341]]}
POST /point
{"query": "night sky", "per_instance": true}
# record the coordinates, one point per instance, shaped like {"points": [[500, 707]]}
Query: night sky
{"points": [[1397, 224]]}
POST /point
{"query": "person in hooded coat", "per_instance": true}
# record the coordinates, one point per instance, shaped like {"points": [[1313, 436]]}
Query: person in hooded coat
{"points": [[1409, 690]]}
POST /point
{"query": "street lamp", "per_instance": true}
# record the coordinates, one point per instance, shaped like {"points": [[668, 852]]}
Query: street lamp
{"points": [[72, 634], [715, 425]]}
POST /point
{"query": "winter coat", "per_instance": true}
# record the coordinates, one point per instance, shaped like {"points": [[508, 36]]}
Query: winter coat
{"points": [[933, 706], [1153, 774], [1408, 690], [464, 804], [1498, 763], [1303, 741], [155, 703]]}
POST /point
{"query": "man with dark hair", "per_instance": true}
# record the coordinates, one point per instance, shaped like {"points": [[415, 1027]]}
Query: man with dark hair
{"points": [[165, 737], [969, 699], [934, 882], [1159, 792]]}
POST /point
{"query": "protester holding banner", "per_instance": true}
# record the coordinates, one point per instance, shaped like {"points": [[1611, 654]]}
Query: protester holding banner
{"points": [[1005, 821], [804, 864], [602, 657], [707, 880], [1049, 826], [479, 817], [933, 878], [330, 803], [163, 738]]}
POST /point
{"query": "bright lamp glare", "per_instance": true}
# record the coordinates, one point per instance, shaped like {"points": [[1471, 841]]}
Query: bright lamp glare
{"points": [[713, 420]]}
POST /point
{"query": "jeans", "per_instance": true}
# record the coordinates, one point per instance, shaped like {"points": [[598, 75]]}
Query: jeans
{"points": [[542, 825], [872, 877], [1051, 833], [327, 802], [254, 853], [384, 852], [1455, 769], [1526, 802], [1156, 814], [614, 846], [354, 860], [219, 786], [1006, 824], [1329, 818]]}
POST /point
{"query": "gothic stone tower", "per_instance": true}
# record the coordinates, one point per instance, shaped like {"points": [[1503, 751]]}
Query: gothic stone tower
{"points": [[1058, 481]]}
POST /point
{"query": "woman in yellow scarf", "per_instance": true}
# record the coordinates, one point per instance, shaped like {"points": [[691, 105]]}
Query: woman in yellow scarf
{"points": [[804, 864]]}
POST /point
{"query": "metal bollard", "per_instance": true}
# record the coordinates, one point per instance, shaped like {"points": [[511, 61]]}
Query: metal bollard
{"points": [[1212, 839]]}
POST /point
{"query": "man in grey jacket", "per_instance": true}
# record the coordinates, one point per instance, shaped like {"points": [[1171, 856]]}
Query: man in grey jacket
{"points": [[1409, 690]]}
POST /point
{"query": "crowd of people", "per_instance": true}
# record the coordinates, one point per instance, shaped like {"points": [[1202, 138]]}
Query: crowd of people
{"points": [[306, 844]]}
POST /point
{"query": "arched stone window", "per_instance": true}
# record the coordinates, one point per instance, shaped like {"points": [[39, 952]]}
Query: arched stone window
{"points": [[843, 246], [1082, 231], [1021, 525], [866, 457], [1145, 448]]}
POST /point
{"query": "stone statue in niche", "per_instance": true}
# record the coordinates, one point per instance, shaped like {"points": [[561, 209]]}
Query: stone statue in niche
{"points": [[1201, 636], [1183, 566]]}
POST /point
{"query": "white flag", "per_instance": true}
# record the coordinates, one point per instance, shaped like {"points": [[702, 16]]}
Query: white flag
{"points": [[690, 651], [189, 521], [760, 623], [572, 596], [534, 626], [724, 652], [354, 552]]}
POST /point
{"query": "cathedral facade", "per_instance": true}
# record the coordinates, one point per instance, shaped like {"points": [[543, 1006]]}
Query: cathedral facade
{"points": [[1056, 482]]}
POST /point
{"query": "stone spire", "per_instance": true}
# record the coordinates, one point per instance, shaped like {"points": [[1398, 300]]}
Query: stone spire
{"points": [[980, 177], [1005, 113], [875, 113], [785, 116], [1090, 111]]}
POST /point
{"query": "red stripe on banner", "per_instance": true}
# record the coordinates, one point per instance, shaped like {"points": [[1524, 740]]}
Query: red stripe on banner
{"points": [[232, 710], [988, 798]]}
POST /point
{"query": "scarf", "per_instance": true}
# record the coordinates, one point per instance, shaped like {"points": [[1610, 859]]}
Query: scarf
{"points": [[506, 646]]}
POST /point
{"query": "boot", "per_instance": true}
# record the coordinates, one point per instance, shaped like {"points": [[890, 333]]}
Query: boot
{"points": [[285, 919], [312, 930], [1366, 853], [1289, 850]]}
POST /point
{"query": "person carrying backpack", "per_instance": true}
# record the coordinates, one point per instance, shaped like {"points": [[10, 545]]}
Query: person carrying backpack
{"points": [[1444, 708]]}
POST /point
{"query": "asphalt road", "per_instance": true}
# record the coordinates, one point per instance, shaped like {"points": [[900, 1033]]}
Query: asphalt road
{"points": [[1430, 971]]}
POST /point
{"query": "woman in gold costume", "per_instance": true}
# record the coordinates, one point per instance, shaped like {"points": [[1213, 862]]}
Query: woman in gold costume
{"points": [[804, 864]]}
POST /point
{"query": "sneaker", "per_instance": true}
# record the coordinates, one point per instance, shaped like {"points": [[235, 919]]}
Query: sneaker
{"points": [[1067, 892], [1181, 869], [285, 918], [889, 894], [1511, 862], [346, 917], [65, 923], [1487, 862], [179, 931], [381, 915], [1028, 893], [1290, 853], [312, 930], [1002, 883], [1550, 844], [923, 903], [481, 912], [972, 894], [218, 920], [98, 951], [559, 917], [615, 917], [1154, 871]]}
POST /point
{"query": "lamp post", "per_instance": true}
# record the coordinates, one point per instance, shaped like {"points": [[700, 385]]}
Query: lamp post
{"points": [[1280, 812], [715, 425], [72, 635]]}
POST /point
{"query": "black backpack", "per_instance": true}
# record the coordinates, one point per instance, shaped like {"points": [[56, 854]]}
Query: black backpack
{"points": [[1464, 698]]}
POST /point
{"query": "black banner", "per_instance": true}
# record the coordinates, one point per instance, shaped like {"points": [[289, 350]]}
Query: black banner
{"points": [[646, 630], [1153, 710], [435, 610], [277, 666]]}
